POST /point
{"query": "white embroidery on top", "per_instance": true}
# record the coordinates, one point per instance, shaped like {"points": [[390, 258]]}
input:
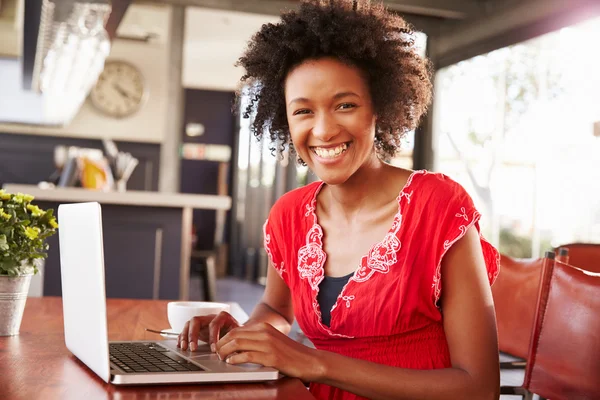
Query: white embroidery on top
{"points": [[463, 214], [437, 278], [311, 257], [406, 195], [348, 299], [380, 258], [310, 208], [325, 328], [267, 245]]}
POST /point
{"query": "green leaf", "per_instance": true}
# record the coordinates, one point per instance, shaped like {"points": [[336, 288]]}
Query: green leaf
{"points": [[23, 235]]}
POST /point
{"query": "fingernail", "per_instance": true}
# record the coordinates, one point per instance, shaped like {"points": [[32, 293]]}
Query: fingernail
{"points": [[228, 361], [193, 346], [213, 348]]}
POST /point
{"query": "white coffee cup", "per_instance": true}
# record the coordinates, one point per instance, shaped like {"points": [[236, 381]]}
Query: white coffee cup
{"points": [[180, 312]]}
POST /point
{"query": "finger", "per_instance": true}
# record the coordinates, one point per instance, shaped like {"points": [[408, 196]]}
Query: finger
{"points": [[214, 330], [250, 341], [203, 334], [245, 331], [255, 357], [196, 325], [182, 338], [223, 320]]}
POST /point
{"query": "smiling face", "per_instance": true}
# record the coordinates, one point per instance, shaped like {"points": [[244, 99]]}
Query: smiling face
{"points": [[331, 118]]}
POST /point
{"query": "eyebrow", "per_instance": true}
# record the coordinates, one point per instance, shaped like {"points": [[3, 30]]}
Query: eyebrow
{"points": [[337, 96]]}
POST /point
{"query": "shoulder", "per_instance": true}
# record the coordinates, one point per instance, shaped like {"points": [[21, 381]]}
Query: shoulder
{"points": [[438, 187], [304, 194], [440, 182], [294, 202], [288, 211]]}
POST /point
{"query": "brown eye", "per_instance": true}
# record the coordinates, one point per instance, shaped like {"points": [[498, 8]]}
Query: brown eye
{"points": [[299, 112], [346, 106]]}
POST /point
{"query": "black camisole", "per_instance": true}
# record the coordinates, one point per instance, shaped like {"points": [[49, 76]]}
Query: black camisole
{"points": [[329, 290]]}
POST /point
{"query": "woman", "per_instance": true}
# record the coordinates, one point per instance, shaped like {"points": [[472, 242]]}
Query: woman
{"points": [[383, 268]]}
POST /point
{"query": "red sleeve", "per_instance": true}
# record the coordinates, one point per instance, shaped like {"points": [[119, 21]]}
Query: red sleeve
{"points": [[273, 240], [456, 215]]}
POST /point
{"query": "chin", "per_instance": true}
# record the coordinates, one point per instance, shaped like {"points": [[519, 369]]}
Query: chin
{"points": [[331, 178]]}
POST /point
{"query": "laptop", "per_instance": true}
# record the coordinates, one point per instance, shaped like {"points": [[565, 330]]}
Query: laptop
{"points": [[86, 333]]}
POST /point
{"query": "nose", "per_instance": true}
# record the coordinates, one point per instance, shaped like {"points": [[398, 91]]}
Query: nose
{"points": [[325, 127]]}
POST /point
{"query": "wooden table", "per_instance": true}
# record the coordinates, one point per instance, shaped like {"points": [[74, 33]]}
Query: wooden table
{"points": [[37, 365]]}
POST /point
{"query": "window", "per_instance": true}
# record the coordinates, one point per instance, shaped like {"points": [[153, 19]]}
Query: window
{"points": [[404, 158], [519, 128]]}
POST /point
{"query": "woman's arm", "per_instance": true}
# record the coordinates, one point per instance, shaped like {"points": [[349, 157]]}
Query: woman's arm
{"points": [[470, 327], [275, 307]]}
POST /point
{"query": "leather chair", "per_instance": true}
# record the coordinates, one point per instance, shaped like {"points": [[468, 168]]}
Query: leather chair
{"points": [[515, 295], [584, 255], [564, 351]]}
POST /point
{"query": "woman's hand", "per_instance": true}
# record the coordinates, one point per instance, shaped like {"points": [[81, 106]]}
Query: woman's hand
{"points": [[208, 328], [262, 344]]}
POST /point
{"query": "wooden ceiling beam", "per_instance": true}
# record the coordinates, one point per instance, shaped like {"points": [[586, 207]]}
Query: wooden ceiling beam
{"points": [[119, 7], [449, 9], [507, 24]]}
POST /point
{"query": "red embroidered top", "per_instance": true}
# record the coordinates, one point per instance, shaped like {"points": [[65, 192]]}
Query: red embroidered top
{"points": [[387, 313]]}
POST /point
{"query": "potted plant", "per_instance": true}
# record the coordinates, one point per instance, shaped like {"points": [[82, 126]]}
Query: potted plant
{"points": [[24, 228]]}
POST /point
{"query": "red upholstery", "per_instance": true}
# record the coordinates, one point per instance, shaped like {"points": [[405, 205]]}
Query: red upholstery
{"points": [[564, 355], [584, 255], [515, 295]]}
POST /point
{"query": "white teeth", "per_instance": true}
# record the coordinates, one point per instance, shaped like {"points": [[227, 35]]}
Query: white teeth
{"points": [[330, 153]]}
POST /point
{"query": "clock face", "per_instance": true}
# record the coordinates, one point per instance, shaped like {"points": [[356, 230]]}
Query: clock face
{"points": [[120, 90]]}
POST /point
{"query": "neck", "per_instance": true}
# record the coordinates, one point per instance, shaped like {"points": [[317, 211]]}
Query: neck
{"points": [[365, 190]]}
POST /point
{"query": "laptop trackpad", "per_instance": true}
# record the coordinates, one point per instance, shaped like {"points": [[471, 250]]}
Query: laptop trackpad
{"points": [[220, 366], [208, 359]]}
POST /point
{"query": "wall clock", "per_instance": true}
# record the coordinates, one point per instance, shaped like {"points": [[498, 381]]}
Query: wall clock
{"points": [[120, 90]]}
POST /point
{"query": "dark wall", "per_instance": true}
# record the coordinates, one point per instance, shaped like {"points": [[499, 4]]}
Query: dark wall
{"points": [[133, 267], [29, 159], [213, 110]]}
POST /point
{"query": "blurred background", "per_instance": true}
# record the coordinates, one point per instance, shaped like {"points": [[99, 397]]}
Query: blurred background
{"points": [[131, 102]]}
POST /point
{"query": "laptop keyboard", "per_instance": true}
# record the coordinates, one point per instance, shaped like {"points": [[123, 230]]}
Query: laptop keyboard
{"points": [[148, 357]]}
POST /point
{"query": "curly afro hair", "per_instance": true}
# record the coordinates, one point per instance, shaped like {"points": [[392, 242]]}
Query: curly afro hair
{"points": [[367, 36]]}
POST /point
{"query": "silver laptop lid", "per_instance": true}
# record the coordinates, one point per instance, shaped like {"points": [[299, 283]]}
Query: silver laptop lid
{"points": [[83, 290]]}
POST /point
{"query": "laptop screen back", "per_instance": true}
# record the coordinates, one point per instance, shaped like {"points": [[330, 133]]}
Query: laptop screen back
{"points": [[83, 290]]}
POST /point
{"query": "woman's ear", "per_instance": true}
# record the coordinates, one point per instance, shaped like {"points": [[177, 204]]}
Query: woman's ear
{"points": [[375, 124]]}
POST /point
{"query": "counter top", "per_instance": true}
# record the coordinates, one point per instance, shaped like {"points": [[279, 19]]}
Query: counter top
{"points": [[130, 197]]}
